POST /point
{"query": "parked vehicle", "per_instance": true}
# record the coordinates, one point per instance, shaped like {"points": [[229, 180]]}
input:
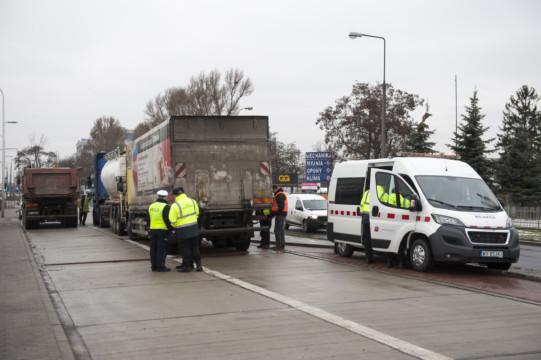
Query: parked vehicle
{"points": [[49, 195], [308, 211], [428, 209], [109, 200], [222, 162]]}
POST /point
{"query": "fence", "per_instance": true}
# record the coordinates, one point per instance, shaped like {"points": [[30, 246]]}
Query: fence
{"points": [[524, 216]]}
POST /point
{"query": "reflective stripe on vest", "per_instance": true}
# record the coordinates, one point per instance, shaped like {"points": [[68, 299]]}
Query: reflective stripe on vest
{"points": [[187, 219], [275, 206], [156, 219]]}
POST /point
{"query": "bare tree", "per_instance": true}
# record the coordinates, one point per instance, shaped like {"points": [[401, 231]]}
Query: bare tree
{"points": [[35, 155], [236, 87], [107, 134]]}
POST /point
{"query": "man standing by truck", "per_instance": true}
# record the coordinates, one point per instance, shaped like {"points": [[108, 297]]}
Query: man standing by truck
{"points": [[83, 209], [183, 216], [160, 226], [279, 213]]}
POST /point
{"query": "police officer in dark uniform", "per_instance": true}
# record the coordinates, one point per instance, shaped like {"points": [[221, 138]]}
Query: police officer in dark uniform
{"points": [[160, 228]]}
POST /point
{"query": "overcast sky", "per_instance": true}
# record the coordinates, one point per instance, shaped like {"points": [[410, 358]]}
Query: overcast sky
{"points": [[65, 63]]}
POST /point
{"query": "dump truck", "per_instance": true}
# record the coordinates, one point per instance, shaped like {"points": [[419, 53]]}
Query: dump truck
{"points": [[49, 195], [222, 162]]}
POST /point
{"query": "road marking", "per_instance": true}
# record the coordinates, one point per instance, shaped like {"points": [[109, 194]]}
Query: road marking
{"points": [[400, 345], [387, 340]]}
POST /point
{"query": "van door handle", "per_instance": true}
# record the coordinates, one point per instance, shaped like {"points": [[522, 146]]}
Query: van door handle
{"points": [[358, 210], [375, 211]]}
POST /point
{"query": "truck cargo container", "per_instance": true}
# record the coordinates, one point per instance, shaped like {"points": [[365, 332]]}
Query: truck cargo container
{"points": [[222, 162], [49, 195]]}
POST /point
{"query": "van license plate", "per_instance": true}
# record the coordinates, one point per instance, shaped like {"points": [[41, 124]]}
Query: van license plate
{"points": [[492, 254]]}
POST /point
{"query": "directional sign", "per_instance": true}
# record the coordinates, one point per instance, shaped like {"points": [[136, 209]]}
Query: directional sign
{"points": [[318, 166]]}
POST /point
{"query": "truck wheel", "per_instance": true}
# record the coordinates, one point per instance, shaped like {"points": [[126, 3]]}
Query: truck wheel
{"points": [[243, 243], [345, 250], [499, 266], [421, 256]]}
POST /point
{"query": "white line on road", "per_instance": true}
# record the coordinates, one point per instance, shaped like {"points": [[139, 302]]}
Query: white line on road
{"points": [[400, 345]]}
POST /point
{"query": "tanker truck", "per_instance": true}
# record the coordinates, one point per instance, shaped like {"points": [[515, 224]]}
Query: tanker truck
{"points": [[109, 198], [222, 162]]}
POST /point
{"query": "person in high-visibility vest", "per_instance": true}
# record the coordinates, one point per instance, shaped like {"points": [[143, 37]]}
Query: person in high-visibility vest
{"points": [[365, 221], [83, 208], [279, 213], [159, 229], [183, 216], [265, 234]]}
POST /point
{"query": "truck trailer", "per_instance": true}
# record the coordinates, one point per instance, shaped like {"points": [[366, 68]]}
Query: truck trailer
{"points": [[49, 195], [222, 162]]}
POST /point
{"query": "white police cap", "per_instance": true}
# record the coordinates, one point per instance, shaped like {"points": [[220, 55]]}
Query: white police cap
{"points": [[162, 193]]}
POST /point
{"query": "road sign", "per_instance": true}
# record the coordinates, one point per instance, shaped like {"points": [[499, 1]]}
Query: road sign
{"points": [[318, 166]]}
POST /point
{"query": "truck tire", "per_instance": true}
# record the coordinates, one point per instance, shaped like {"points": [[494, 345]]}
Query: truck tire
{"points": [[243, 243], [421, 256], [344, 250]]}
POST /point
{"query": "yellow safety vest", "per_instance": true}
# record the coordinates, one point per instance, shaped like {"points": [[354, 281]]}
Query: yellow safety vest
{"points": [[156, 219], [184, 212], [365, 202], [83, 204], [404, 203]]}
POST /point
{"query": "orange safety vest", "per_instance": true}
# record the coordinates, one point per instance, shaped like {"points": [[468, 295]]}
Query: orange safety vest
{"points": [[275, 203]]}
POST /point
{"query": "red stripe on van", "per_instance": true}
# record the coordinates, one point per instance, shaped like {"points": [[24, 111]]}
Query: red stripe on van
{"points": [[390, 216], [405, 217]]}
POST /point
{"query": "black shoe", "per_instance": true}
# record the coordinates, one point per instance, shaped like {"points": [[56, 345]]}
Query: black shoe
{"points": [[154, 270], [184, 270], [277, 248], [163, 270], [199, 268], [263, 247], [370, 261], [181, 266]]}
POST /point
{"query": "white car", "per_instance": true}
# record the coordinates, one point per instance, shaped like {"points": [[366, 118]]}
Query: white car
{"points": [[307, 210]]}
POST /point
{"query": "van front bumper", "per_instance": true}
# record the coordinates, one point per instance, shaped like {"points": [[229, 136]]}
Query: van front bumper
{"points": [[452, 244]]}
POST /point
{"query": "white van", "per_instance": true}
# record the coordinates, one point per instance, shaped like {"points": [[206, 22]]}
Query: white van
{"points": [[446, 212], [307, 210]]}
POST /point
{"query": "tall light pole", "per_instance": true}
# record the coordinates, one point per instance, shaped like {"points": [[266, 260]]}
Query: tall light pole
{"points": [[354, 35], [246, 108], [4, 148]]}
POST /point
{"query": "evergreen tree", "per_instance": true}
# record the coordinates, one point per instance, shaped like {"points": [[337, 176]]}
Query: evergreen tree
{"points": [[469, 144], [418, 141], [519, 146]]}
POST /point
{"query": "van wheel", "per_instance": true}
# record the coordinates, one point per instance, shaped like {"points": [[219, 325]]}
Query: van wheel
{"points": [[286, 225], [305, 226], [345, 250], [420, 256], [499, 266]]}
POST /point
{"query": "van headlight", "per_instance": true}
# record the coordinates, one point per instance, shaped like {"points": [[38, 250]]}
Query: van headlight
{"points": [[508, 222], [313, 217], [447, 220]]}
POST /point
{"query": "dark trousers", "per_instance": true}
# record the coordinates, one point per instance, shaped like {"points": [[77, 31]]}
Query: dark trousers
{"points": [[367, 239], [158, 248], [82, 216], [265, 234], [190, 251], [279, 230]]}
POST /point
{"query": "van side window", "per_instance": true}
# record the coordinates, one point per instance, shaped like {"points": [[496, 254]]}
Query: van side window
{"points": [[298, 205], [392, 191], [409, 181], [349, 191]]}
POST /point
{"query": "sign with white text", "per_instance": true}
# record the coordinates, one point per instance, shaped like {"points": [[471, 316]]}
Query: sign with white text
{"points": [[318, 166]]}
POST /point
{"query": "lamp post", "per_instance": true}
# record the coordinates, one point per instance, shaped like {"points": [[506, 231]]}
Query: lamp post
{"points": [[4, 149], [354, 35], [246, 108]]}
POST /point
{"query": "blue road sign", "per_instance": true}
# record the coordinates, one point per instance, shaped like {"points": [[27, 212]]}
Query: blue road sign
{"points": [[318, 166]]}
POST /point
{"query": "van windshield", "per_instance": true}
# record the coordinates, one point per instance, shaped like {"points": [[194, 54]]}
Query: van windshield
{"points": [[315, 204], [458, 193]]}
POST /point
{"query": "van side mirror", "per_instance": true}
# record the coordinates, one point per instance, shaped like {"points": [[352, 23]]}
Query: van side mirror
{"points": [[415, 204]]}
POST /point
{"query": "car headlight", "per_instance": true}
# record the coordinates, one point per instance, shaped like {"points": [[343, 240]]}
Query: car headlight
{"points": [[447, 220], [313, 217]]}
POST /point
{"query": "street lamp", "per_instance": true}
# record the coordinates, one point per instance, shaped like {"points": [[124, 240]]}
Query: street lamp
{"points": [[4, 148], [246, 108], [354, 35]]}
